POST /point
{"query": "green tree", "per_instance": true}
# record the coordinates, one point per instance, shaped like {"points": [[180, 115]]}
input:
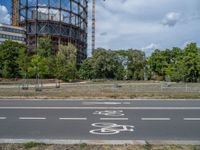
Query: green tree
{"points": [[157, 62], [86, 70], [136, 64], [66, 62], [45, 50], [107, 65], [23, 62], [45, 47], [38, 67], [191, 62], [9, 53], [177, 64]]}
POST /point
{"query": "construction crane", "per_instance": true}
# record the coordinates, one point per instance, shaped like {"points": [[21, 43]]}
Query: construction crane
{"points": [[15, 12], [93, 25]]}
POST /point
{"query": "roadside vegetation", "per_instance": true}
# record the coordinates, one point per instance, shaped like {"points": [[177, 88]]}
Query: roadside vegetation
{"points": [[30, 145], [174, 64], [96, 147]]}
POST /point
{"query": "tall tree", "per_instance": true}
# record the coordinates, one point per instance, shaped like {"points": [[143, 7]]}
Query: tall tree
{"points": [[9, 53], [66, 62], [45, 47], [86, 70], [45, 50], [136, 64], [38, 67], [23, 62], [107, 65], [191, 62]]}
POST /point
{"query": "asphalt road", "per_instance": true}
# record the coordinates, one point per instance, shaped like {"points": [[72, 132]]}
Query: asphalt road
{"points": [[100, 120]]}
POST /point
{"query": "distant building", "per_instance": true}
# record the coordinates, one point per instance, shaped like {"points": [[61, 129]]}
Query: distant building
{"points": [[8, 32]]}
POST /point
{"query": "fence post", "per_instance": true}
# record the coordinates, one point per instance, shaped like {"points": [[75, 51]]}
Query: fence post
{"points": [[186, 87]]}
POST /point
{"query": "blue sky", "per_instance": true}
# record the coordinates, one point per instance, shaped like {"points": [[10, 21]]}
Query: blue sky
{"points": [[141, 24]]}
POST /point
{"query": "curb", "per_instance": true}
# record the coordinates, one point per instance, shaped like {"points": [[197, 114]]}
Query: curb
{"points": [[90, 99], [101, 142]]}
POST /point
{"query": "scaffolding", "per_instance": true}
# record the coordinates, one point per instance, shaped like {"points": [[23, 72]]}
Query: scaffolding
{"points": [[64, 20]]}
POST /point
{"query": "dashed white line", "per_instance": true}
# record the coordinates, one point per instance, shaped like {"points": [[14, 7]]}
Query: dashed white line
{"points": [[155, 119], [113, 118], [72, 118], [31, 118], [2, 118], [102, 103], [126, 103], [191, 119]]}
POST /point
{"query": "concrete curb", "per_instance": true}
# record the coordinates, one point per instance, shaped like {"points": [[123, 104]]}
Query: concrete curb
{"points": [[90, 99], [100, 142]]}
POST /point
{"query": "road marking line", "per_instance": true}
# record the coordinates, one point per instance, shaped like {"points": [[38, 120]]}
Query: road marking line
{"points": [[126, 103], [72, 118], [2, 118], [110, 108], [102, 103], [155, 119], [31, 118], [192, 119], [113, 118]]}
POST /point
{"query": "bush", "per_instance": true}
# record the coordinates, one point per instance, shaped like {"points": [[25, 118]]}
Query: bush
{"points": [[148, 146], [30, 145], [83, 145]]}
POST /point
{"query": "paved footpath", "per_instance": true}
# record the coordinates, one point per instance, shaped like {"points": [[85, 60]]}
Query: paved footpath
{"points": [[100, 120]]}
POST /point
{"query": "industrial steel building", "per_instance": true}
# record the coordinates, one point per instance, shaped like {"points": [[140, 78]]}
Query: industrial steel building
{"points": [[63, 20]]}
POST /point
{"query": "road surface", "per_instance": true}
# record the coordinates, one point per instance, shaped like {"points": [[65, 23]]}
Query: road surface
{"points": [[100, 120]]}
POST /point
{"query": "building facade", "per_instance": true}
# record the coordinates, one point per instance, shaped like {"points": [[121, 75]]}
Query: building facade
{"points": [[63, 20], [8, 32]]}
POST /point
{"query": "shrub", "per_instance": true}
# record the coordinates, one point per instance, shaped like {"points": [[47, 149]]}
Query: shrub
{"points": [[83, 145], [30, 145]]}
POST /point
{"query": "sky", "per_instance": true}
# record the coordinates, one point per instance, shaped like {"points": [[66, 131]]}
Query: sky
{"points": [[141, 24], [146, 24]]}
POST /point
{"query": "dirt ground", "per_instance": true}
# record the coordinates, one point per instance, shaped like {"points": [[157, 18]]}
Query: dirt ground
{"points": [[96, 147]]}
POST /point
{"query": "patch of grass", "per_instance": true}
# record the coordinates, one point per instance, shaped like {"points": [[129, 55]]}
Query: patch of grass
{"points": [[147, 146], [30, 145], [196, 147], [83, 145]]}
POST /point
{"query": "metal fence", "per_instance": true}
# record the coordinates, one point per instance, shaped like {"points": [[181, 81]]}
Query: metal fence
{"points": [[98, 89]]}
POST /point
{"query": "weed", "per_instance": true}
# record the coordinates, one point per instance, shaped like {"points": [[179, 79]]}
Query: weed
{"points": [[30, 145], [148, 146], [83, 145]]}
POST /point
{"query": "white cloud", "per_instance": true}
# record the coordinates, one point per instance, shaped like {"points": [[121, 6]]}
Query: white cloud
{"points": [[150, 48], [4, 15], [136, 23], [171, 19]]}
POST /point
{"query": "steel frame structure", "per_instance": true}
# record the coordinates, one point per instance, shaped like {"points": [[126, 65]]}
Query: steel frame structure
{"points": [[63, 20]]}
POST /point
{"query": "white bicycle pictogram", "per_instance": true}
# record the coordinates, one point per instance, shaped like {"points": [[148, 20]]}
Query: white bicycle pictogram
{"points": [[110, 128], [113, 113]]}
